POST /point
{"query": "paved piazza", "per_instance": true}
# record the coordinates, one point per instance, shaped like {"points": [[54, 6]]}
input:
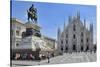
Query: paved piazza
{"points": [[65, 58]]}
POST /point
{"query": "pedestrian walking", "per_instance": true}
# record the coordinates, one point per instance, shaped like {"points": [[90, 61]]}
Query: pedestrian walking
{"points": [[48, 57]]}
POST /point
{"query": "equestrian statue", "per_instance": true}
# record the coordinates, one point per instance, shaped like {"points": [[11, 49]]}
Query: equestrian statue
{"points": [[32, 14]]}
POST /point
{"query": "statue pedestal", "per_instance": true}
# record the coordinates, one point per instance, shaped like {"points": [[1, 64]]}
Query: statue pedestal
{"points": [[32, 29], [32, 25]]}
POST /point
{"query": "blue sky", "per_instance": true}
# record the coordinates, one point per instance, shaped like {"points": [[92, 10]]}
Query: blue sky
{"points": [[53, 15]]}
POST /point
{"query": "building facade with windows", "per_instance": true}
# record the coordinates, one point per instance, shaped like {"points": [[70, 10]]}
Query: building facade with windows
{"points": [[17, 28], [75, 37]]}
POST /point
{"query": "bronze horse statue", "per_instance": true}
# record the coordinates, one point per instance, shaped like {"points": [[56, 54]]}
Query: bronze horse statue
{"points": [[32, 14]]}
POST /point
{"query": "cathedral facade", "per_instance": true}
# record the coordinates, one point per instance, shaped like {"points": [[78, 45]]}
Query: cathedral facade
{"points": [[75, 37]]}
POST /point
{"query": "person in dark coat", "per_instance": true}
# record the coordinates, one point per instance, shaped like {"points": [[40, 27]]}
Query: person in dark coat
{"points": [[48, 57]]}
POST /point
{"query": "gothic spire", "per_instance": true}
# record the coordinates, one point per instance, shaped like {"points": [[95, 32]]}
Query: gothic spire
{"points": [[59, 31], [64, 25], [69, 18], [91, 27], [84, 22], [78, 15]]}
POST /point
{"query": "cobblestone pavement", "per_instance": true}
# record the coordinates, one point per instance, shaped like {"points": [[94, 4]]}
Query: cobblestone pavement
{"points": [[65, 58]]}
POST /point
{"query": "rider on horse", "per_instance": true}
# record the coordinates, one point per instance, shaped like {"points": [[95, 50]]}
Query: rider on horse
{"points": [[32, 13]]}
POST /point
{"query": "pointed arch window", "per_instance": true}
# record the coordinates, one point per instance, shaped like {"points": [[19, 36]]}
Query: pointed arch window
{"points": [[74, 27], [87, 40], [74, 36], [74, 47], [62, 48], [81, 40], [66, 48], [61, 41], [81, 34], [66, 35], [66, 41]]}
